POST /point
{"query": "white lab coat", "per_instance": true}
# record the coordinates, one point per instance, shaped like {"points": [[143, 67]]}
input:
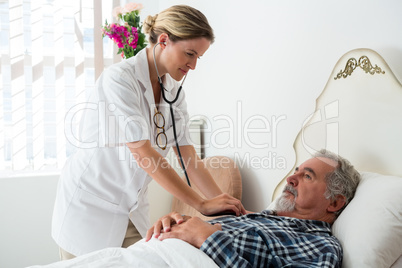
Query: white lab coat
{"points": [[101, 185]]}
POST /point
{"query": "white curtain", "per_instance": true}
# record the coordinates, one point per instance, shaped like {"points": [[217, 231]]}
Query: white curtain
{"points": [[51, 54]]}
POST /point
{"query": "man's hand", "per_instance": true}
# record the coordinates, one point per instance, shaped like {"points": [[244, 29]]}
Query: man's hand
{"points": [[193, 231], [165, 223]]}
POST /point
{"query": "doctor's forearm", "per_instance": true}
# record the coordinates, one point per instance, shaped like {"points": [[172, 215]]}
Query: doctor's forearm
{"points": [[160, 170], [204, 181], [197, 172]]}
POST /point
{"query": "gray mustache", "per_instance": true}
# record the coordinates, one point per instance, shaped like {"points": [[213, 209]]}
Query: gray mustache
{"points": [[290, 189]]}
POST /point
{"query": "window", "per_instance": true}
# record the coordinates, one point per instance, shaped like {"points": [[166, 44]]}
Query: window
{"points": [[51, 52]]}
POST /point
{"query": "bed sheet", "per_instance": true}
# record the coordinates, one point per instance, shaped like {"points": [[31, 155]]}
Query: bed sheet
{"points": [[155, 253]]}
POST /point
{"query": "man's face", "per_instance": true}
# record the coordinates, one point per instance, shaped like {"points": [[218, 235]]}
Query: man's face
{"points": [[303, 195]]}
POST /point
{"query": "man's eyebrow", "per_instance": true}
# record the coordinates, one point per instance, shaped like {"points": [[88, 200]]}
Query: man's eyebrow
{"points": [[311, 171]]}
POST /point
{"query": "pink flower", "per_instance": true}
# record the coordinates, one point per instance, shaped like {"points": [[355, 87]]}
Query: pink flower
{"points": [[132, 6], [117, 11], [126, 35]]}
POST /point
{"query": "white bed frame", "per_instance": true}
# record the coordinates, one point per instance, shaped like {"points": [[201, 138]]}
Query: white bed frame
{"points": [[359, 116]]}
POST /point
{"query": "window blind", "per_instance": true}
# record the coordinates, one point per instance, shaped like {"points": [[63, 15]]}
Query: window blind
{"points": [[51, 53]]}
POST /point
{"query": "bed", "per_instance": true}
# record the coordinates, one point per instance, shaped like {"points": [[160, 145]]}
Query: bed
{"points": [[359, 116]]}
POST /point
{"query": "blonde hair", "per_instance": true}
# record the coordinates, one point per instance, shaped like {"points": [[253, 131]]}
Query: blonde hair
{"points": [[180, 22]]}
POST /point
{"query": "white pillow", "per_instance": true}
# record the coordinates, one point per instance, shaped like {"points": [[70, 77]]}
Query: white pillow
{"points": [[370, 227]]}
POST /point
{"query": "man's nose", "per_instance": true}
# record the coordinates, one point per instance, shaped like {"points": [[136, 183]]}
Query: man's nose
{"points": [[293, 180]]}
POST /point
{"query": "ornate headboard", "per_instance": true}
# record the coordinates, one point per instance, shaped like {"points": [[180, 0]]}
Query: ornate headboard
{"points": [[358, 115]]}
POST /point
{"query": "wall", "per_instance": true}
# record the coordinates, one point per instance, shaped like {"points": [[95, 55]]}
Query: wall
{"points": [[26, 205]]}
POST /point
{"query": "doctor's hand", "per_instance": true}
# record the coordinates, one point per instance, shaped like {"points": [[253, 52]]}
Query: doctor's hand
{"points": [[194, 231], [223, 204], [165, 223]]}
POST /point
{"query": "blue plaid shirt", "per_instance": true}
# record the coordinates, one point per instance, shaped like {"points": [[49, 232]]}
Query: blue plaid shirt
{"points": [[265, 240]]}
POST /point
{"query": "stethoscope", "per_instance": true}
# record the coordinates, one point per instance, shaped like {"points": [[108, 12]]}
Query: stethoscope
{"points": [[171, 110]]}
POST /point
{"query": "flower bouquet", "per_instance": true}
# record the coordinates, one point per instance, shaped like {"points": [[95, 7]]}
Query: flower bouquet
{"points": [[128, 35]]}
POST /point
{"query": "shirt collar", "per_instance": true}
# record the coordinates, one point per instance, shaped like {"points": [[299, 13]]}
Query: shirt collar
{"points": [[305, 225], [142, 68]]}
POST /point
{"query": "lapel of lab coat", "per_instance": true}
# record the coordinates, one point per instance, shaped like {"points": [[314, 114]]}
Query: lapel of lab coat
{"points": [[142, 69]]}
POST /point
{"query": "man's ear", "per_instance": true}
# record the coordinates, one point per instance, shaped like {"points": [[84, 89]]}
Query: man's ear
{"points": [[337, 204]]}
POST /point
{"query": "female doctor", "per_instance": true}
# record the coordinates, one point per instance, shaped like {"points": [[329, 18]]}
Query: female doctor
{"points": [[125, 133]]}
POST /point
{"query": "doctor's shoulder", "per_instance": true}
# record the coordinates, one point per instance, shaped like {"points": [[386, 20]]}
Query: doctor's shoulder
{"points": [[121, 73]]}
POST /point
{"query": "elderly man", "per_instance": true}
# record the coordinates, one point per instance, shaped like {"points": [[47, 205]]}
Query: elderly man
{"points": [[296, 233]]}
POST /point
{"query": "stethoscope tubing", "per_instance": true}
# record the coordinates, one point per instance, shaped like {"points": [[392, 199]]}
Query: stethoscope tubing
{"points": [[172, 113]]}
